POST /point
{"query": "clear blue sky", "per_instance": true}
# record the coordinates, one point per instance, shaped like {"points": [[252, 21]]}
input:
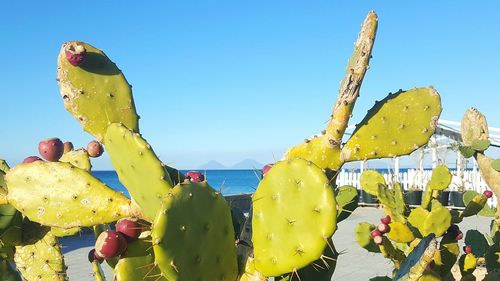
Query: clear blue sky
{"points": [[228, 80]]}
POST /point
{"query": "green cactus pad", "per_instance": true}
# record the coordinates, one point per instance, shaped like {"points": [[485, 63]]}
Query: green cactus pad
{"points": [[417, 217], [78, 158], [96, 93], [475, 205], [480, 145], [7, 272], [294, 212], [493, 257], [347, 201], [193, 235], [486, 211], [380, 278], [62, 232], [437, 222], [415, 264], [449, 252], [397, 125], [478, 242], [492, 276], [61, 195], [138, 263], [467, 264], [42, 260], [495, 164], [370, 180], [440, 179], [319, 150], [138, 168], [363, 237], [466, 151], [400, 233]]}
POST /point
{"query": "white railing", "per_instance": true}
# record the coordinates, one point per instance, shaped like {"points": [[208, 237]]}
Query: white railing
{"points": [[417, 179]]}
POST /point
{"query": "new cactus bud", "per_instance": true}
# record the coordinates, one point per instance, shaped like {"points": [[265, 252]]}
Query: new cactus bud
{"points": [[195, 176], [31, 159], [75, 53], [94, 149], [68, 146], [93, 257], [383, 228], [266, 169], [488, 193], [378, 240], [386, 220], [110, 244], [375, 233], [51, 149], [468, 249], [130, 229]]}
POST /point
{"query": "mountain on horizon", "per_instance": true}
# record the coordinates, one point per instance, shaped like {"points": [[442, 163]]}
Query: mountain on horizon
{"points": [[247, 164], [212, 165]]}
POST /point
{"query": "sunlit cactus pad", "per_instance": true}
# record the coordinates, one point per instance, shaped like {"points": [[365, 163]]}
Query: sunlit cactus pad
{"points": [[138, 168], [138, 263], [294, 212], [397, 125], [41, 261], [78, 158], [96, 93], [193, 235], [69, 197]]}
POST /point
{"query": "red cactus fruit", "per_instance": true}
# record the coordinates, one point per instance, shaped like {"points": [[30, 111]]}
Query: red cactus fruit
{"points": [[378, 240], [386, 220], [51, 149], [94, 257], [110, 244], [459, 236], [94, 149], [468, 249], [266, 169], [68, 146], [383, 228], [130, 229], [31, 159], [195, 176], [375, 233], [75, 54], [488, 193]]}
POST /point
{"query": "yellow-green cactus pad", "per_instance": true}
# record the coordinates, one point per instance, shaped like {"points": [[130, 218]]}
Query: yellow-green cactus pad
{"points": [[417, 217], [78, 158], [363, 237], [437, 222], [251, 274], [193, 236], [63, 232], [138, 263], [400, 233], [440, 179], [397, 125], [320, 150], [96, 93], [138, 168], [294, 213], [474, 205], [61, 195], [370, 180], [347, 201], [41, 261]]}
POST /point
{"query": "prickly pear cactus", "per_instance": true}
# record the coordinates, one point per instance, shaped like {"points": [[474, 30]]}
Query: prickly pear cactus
{"points": [[69, 197], [78, 158], [138, 263], [96, 93], [193, 236], [287, 238]]}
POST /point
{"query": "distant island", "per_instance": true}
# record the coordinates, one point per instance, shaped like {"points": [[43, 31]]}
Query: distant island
{"points": [[242, 165]]}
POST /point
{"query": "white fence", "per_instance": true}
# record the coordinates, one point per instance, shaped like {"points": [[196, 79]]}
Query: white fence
{"points": [[417, 179]]}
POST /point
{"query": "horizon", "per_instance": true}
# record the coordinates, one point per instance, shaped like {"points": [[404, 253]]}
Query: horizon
{"points": [[230, 81]]}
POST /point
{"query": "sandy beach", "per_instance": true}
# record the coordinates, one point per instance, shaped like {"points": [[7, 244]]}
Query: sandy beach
{"points": [[355, 263]]}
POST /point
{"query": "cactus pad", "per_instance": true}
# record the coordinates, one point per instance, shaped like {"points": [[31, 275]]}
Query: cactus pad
{"points": [[96, 93], [138, 263], [42, 260], [370, 180], [417, 217], [397, 125], [363, 237], [78, 158], [486, 211], [347, 201], [400, 233], [475, 205], [440, 179], [69, 197], [193, 235], [7, 272], [478, 242], [138, 168], [294, 212], [318, 150], [437, 222]]}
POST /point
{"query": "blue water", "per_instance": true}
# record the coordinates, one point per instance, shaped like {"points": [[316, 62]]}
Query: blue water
{"points": [[227, 181]]}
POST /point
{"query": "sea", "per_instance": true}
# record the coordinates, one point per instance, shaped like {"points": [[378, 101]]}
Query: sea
{"points": [[228, 182]]}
